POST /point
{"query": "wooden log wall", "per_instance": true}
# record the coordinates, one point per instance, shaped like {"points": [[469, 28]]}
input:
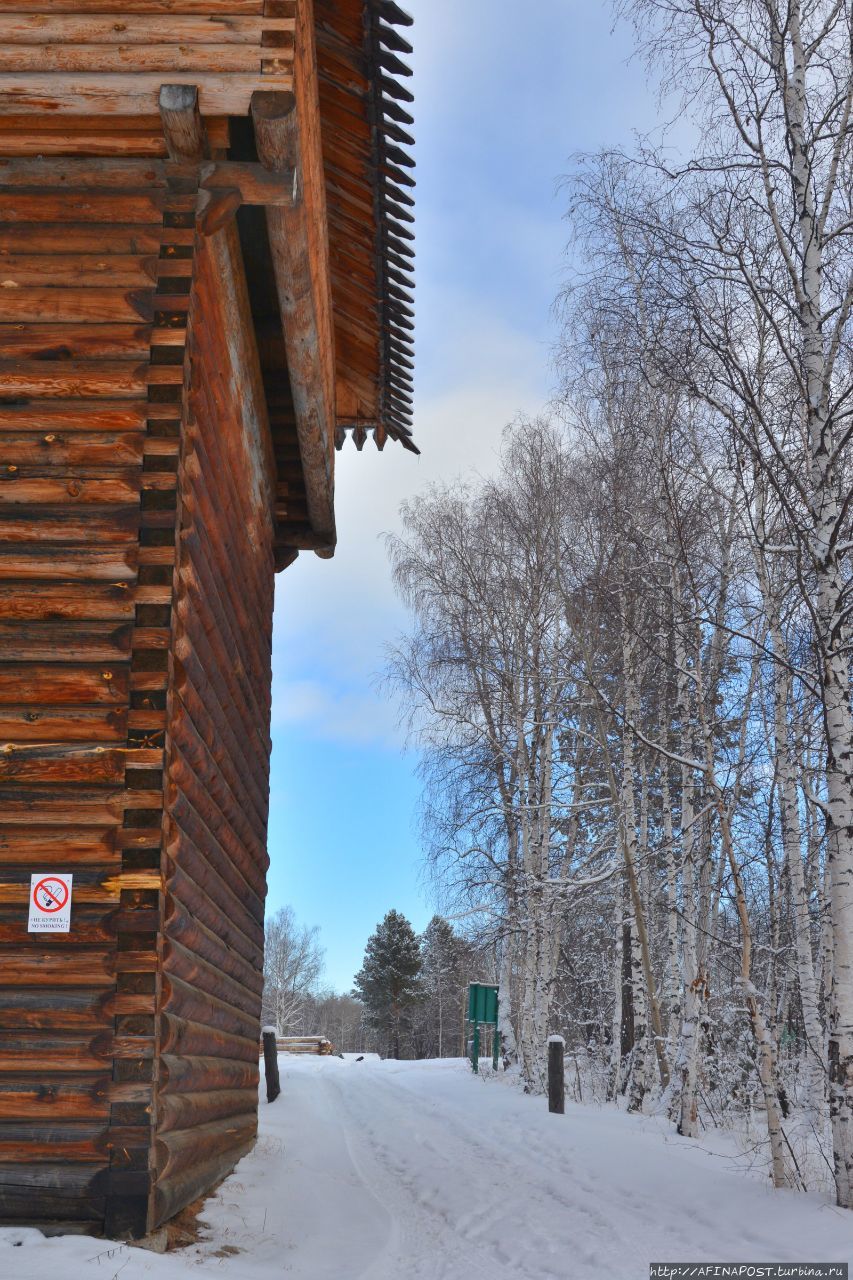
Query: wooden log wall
{"points": [[84, 57], [139, 494], [88, 449], [137, 500], [217, 776]]}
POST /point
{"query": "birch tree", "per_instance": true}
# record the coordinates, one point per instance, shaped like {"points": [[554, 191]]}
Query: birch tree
{"points": [[753, 243]]}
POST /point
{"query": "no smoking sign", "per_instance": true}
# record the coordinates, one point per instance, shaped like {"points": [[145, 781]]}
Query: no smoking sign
{"points": [[50, 903]]}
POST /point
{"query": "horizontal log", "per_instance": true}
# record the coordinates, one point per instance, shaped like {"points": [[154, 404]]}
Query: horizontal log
{"points": [[65, 237], [83, 724], [92, 891], [65, 641], [83, 806], [34, 341], [97, 890], [133, 1048], [87, 450], [84, 564], [231, 8], [185, 1001], [35, 523], [89, 174], [49, 603], [70, 305], [110, 28], [175, 1193], [180, 1149], [49, 1176], [16, 487], [49, 1207], [138, 59], [91, 206], [211, 944], [86, 933], [196, 819], [60, 764], [53, 1052], [22, 968], [182, 963], [83, 269], [182, 1037], [199, 1075], [94, 415], [86, 846], [193, 1110], [79, 1143], [235, 797], [216, 904], [59, 93], [62, 685], [26, 1008], [25, 1098], [93, 143], [255, 184]]}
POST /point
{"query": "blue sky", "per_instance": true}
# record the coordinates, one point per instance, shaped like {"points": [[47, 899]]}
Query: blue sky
{"points": [[504, 96]]}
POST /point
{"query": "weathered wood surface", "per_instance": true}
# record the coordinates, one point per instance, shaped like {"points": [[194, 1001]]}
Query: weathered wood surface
{"points": [[82, 58], [217, 770], [288, 140], [78, 279], [367, 169], [139, 498], [304, 1044]]}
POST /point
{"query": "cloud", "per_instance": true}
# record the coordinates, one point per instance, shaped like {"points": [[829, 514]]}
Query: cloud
{"points": [[334, 618], [325, 713], [499, 109]]}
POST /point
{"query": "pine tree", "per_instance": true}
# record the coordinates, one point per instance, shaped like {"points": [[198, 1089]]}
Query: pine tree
{"points": [[388, 983], [448, 965]]}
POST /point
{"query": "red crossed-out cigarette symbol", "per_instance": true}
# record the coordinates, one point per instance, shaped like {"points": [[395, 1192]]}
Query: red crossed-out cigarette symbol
{"points": [[50, 894]]}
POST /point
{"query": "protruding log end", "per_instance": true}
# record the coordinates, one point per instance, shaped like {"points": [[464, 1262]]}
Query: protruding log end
{"points": [[275, 119], [183, 127]]}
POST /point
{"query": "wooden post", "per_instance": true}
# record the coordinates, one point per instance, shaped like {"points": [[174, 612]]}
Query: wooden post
{"points": [[271, 1063], [183, 127], [556, 1075]]}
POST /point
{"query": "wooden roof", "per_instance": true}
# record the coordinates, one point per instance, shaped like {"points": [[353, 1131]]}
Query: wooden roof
{"points": [[366, 152]]}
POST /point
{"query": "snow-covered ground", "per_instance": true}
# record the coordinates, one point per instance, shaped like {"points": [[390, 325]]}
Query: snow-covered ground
{"points": [[380, 1170]]}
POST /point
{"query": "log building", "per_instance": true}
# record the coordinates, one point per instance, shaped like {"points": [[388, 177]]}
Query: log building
{"points": [[205, 267]]}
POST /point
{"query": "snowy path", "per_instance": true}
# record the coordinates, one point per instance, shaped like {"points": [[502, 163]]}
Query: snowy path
{"points": [[375, 1171]]}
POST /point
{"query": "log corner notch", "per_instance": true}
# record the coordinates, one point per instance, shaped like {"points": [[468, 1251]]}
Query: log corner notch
{"points": [[299, 250]]}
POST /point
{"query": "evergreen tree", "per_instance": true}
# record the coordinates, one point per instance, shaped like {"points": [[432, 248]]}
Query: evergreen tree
{"points": [[447, 966], [388, 984]]}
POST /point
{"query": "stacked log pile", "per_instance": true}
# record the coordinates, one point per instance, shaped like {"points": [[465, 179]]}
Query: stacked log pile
{"points": [[304, 1044]]}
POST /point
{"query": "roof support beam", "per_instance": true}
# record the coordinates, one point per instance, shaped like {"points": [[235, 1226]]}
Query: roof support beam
{"points": [[284, 143]]}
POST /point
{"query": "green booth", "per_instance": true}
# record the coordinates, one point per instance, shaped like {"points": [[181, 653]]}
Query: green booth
{"points": [[483, 1011]]}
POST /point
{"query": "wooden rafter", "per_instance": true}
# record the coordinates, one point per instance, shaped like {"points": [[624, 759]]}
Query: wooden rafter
{"points": [[303, 286]]}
